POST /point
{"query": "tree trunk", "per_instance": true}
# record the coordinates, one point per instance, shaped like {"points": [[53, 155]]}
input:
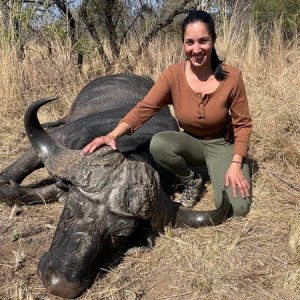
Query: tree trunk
{"points": [[19, 44], [111, 27], [61, 4], [93, 32]]}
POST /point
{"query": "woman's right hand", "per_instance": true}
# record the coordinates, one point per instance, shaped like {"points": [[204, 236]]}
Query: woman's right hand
{"points": [[98, 142], [109, 139]]}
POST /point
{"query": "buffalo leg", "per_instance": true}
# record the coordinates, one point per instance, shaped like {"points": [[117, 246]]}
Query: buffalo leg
{"points": [[14, 194], [28, 162], [21, 168]]}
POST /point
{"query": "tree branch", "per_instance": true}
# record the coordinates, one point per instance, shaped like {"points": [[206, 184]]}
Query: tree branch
{"points": [[130, 26], [61, 4], [153, 33]]}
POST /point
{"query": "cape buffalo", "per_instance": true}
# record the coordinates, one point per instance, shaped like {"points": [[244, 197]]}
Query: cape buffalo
{"points": [[96, 110], [109, 193]]}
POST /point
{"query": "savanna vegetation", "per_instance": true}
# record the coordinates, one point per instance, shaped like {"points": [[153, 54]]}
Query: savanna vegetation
{"points": [[55, 47]]}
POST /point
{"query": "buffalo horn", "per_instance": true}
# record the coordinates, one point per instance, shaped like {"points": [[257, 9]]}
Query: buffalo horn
{"points": [[40, 140], [191, 218]]}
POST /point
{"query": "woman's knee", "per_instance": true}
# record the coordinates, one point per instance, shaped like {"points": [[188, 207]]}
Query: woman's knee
{"points": [[156, 143], [160, 143], [240, 207]]}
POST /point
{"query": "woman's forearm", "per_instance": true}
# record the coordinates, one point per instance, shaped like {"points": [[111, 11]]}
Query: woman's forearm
{"points": [[122, 129]]}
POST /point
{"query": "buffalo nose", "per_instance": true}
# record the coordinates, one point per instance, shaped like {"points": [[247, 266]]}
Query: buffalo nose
{"points": [[58, 286]]}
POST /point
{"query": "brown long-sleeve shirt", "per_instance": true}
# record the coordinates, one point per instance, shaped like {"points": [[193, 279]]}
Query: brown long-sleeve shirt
{"points": [[206, 116]]}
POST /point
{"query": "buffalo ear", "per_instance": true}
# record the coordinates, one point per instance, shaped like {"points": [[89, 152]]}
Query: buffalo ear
{"points": [[118, 241], [63, 184], [121, 225]]}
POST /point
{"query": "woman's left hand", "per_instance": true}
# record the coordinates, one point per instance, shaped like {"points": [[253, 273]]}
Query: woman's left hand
{"points": [[235, 177]]}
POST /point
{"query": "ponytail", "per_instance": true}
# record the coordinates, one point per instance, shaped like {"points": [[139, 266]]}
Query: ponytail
{"points": [[217, 67]]}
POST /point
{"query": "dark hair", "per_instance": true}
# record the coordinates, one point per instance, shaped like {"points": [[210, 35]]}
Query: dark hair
{"points": [[204, 17]]}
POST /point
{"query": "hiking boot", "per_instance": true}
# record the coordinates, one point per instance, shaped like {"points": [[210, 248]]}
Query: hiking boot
{"points": [[191, 193]]}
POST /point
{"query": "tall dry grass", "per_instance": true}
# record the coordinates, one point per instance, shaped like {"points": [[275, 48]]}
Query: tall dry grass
{"points": [[256, 257]]}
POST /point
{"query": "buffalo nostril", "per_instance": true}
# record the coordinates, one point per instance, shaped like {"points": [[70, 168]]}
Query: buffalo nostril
{"points": [[58, 286]]}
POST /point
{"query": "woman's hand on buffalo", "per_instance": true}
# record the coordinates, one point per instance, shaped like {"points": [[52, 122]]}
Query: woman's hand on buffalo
{"points": [[98, 142], [109, 139]]}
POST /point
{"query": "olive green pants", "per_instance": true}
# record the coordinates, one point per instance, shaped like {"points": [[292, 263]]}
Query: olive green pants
{"points": [[177, 152]]}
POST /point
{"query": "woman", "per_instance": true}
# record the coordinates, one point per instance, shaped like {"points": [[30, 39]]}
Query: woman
{"points": [[211, 106]]}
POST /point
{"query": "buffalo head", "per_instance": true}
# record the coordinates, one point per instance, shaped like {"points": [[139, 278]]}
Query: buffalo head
{"points": [[108, 196]]}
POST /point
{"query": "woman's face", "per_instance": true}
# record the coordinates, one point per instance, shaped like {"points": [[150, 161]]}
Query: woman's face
{"points": [[198, 44]]}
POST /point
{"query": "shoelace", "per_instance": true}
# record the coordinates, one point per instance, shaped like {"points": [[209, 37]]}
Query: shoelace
{"points": [[188, 193]]}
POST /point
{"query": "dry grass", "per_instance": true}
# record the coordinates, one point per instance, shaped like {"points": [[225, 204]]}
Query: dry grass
{"points": [[256, 257]]}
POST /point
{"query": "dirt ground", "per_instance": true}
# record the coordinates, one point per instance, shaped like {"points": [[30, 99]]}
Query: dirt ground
{"points": [[255, 257]]}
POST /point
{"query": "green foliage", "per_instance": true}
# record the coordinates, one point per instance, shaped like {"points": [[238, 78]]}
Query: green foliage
{"points": [[84, 45], [15, 19], [96, 12], [55, 31], [266, 12]]}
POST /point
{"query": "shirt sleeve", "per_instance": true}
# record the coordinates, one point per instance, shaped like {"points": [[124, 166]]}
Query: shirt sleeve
{"points": [[241, 119], [158, 96]]}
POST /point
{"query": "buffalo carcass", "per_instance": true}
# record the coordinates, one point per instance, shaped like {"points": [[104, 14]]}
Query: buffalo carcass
{"points": [[109, 194], [95, 111]]}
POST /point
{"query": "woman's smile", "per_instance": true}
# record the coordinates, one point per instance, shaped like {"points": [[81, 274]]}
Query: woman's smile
{"points": [[198, 44]]}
